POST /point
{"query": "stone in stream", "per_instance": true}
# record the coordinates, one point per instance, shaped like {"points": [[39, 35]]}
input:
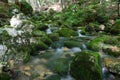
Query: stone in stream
{"points": [[86, 66], [113, 65]]}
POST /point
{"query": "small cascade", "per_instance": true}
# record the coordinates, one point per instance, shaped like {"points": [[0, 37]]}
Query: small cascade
{"points": [[48, 31], [79, 34]]}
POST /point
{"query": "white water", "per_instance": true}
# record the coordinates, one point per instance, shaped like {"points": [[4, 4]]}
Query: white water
{"points": [[79, 34]]}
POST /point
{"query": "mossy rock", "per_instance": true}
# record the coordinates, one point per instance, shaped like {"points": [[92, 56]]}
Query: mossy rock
{"points": [[66, 32], [42, 46], [115, 29], [92, 27], [4, 76], [113, 51], [59, 66], [46, 40], [53, 77], [97, 42], [113, 65], [71, 44], [86, 66], [41, 26], [54, 36]]}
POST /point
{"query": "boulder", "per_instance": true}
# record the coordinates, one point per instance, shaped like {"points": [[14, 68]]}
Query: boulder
{"points": [[113, 65], [86, 66], [66, 32]]}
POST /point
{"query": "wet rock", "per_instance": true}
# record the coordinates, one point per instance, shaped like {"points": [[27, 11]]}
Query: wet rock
{"points": [[86, 66], [113, 65]]}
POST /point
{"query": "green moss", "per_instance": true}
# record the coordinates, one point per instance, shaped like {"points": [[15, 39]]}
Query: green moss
{"points": [[53, 77], [54, 36], [95, 44], [42, 46], [115, 29], [26, 57], [66, 32], [71, 44], [109, 51], [4, 76], [86, 66]]}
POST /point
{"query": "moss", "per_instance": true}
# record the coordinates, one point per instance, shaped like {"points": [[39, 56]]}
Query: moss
{"points": [[66, 32], [95, 44], [42, 46], [71, 44], [26, 57], [53, 77], [113, 52], [115, 29], [86, 66], [4, 76], [46, 40], [54, 36], [38, 33]]}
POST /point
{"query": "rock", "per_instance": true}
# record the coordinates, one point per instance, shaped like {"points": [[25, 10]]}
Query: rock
{"points": [[112, 50], [71, 44], [97, 43], [102, 27], [27, 73], [101, 42], [27, 68], [66, 32], [66, 49], [112, 21], [86, 66], [53, 77], [11, 64], [113, 65], [115, 29]]}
